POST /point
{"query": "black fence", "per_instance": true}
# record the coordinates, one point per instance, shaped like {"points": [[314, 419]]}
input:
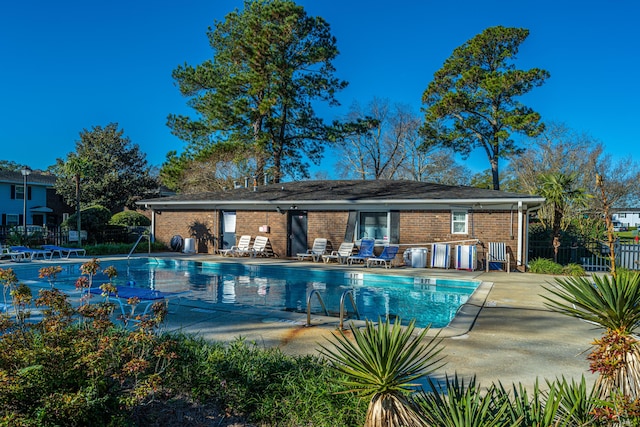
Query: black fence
{"points": [[590, 253], [37, 235]]}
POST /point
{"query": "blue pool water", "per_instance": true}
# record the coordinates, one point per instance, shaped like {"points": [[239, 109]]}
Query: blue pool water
{"points": [[431, 301]]}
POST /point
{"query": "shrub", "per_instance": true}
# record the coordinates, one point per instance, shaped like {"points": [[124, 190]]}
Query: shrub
{"points": [[92, 219], [545, 266], [573, 270], [130, 219]]}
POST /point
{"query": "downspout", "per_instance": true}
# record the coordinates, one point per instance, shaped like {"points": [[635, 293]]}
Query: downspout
{"points": [[526, 232], [152, 231], [520, 235]]}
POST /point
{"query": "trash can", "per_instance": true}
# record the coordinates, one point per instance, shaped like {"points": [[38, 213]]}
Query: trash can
{"points": [[189, 246], [416, 257]]}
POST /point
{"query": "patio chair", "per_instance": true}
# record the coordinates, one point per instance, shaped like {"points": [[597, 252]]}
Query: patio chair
{"points": [[365, 251], [240, 249], [440, 255], [261, 247], [33, 253], [64, 252], [344, 251], [317, 250], [146, 297], [497, 254], [385, 258]]}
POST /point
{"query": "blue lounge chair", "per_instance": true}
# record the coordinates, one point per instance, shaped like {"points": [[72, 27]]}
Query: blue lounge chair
{"points": [[64, 252], [385, 258], [33, 253], [364, 252], [145, 295]]}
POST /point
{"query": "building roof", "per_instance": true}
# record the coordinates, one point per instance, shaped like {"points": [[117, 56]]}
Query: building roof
{"points": [[339, 195], [35, 178]]}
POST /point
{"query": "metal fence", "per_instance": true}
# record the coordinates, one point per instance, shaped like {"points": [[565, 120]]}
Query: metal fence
{"points": [[36, 235], [593, 254]]}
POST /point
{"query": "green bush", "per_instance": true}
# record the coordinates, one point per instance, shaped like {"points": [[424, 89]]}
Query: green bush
{"points": [[545, 266], [92, 219], [130, 219], [573, 270]]}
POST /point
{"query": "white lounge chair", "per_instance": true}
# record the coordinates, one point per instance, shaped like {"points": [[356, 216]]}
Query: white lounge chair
{"points": [[317, 250], [64, 252], [497, 253], [241, 248], [261, 247], [344, 251]]}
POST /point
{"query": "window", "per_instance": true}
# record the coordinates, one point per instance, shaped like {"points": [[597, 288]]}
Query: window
{"points": [[459, 222], [19, 192], [373, 225], [622, 215], [12, 220]]}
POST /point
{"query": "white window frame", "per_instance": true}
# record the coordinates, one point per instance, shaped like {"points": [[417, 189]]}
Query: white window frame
{"points": [[19, 192], [455, 221], [383, 238]]}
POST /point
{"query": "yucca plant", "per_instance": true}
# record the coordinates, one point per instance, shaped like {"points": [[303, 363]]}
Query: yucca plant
{"points": [[383, 363], [454, 404], [613, 302], [538, 409]]}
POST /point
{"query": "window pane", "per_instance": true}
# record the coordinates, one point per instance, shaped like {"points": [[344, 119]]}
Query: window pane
{"points": [[19, 192], [373, 225], [459, 222]]}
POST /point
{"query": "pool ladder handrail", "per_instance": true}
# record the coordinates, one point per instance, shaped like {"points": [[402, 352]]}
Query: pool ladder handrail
{"points": [[136, 244], [353, 304], [348, 292]]}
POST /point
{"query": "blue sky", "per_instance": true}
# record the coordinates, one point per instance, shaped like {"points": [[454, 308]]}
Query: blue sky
{"points": [[71, 65]]}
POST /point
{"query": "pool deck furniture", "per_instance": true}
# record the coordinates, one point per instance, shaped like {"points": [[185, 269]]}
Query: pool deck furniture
{"points": [[344, 251], [261, 247], [243, 247], [440, 255], [317, 250], [146, 297], [365, 251], [64, 252], [385, 258], [33, 253], [14, 256], [497, 253]]}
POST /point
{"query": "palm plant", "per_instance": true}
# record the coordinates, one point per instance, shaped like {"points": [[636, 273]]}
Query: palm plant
{"points": [[612, 302], [383, 363]]}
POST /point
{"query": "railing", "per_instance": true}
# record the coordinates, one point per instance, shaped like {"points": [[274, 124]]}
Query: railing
{"points": [[348, 292], [593, 255], [136, 244], [312, 293]]}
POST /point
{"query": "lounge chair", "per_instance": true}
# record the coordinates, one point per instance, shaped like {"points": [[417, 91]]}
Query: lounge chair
{"points": [[146, 297], [64, 252], [385, 258], [317, 250], [33, 253], [240, 249], [440, 255], [365, 251], [344, 251], [497, 253], [14, 256], [466, 256], [261, 247]]}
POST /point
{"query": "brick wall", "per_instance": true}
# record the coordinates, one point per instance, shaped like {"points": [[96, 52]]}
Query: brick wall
{"points": [[416, 227]]}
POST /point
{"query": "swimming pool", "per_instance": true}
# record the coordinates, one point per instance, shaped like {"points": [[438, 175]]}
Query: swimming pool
{"points": [[431, 301]]}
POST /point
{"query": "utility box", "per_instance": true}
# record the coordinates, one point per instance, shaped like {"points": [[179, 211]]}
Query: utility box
{"points": [[416, 257]]}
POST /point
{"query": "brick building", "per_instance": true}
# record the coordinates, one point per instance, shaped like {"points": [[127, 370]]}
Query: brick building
{"points": [[293, 214]]}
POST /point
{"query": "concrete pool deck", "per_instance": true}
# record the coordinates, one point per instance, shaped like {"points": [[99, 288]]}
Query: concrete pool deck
{"points": [[503, 334]]}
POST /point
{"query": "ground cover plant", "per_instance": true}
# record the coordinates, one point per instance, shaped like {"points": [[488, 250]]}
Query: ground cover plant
{"points": [[77, 365]]}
